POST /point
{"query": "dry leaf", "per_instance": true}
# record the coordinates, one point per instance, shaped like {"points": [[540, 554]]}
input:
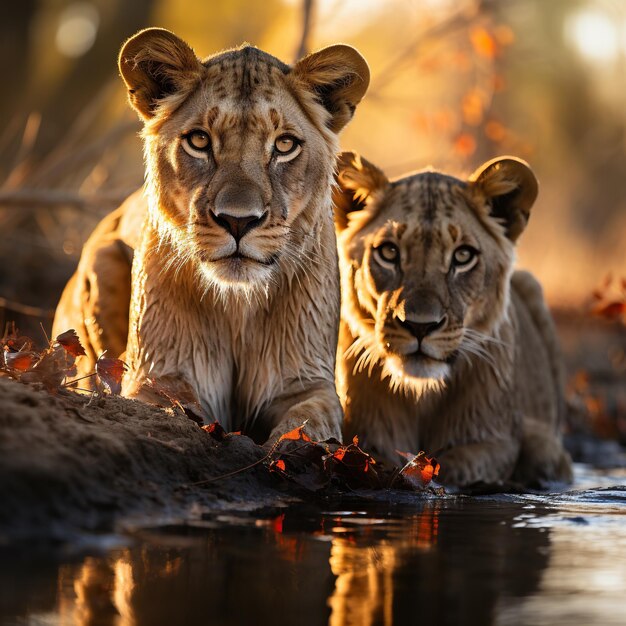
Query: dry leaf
{"points": [[70, 341], [111, 372]]}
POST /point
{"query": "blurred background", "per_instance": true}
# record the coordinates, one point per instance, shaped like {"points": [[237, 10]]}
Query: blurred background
{"points": [[454, 83]]}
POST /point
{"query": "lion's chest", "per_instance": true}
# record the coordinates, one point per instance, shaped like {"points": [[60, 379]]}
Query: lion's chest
{"points": [[236, 362]]}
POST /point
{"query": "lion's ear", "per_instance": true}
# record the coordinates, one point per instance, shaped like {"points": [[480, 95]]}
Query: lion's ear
{"points": [[357, 179], [339, 76], [154, 64], [510, 189]]}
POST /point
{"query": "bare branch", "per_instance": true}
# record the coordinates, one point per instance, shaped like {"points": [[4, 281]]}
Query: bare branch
{"points": [[37, 198], [25, 309], [457, 21], [307, 11]]}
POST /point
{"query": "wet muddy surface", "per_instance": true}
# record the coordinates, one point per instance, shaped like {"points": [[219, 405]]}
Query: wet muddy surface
{"points": [[503, 559]]}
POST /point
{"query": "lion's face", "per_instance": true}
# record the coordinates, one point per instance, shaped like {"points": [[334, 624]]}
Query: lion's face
{"points": [[240, 150], [426, 262]]}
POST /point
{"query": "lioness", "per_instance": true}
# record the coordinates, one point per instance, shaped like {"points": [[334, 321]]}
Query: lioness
{"points": [[235, 285], [442, 346]]}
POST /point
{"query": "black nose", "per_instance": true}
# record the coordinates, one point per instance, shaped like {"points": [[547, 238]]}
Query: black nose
{"points": [[238, 226], [420, 330]]}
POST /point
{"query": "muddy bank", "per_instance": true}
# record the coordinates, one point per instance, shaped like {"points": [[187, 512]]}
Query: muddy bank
{"points": [[67, 466]]}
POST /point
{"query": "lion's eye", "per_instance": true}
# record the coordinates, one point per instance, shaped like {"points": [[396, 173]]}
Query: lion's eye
{"points": [[388, 252], [464, 256], [286, 148], [197, 143]]}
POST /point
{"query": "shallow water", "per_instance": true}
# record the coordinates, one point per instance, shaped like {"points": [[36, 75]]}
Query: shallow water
{"points": [[531, 559]]}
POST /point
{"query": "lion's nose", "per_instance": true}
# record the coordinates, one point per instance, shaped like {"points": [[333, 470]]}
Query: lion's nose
{"points": [[237, 225], [421, 330]]}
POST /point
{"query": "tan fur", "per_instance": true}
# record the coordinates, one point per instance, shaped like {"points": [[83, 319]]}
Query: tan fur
{"points": [[458, 360], [249, 322]]}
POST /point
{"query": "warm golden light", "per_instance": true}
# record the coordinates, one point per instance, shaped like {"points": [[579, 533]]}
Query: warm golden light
{"points": [[594, 34]]}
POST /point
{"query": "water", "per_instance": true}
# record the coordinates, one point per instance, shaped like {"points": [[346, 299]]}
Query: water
{"points": [[531, 559]]}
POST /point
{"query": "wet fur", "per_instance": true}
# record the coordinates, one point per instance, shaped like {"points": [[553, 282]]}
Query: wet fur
{"points": [[489, 404], [255, 337]]}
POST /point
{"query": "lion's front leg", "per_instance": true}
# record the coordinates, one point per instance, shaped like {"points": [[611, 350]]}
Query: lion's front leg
{"points": [[487, 461], [317, 405]]}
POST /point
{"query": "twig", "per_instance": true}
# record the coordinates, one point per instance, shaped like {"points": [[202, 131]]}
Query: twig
{"points": [[25, 309], [247, 467], [71, 382], [234, 472], [58, 198], [458, 20], [303, 46], [45, 334]]}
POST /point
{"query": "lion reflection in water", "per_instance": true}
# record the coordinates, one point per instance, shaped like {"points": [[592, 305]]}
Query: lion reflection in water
{"points": [[431, 567]]}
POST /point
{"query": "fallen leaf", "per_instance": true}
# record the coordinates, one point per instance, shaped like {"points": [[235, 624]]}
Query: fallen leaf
{"points": [[420, 470], [216, 430], [111, 372], [20, 361], [70, 341], [296, 434], [51, 369]]}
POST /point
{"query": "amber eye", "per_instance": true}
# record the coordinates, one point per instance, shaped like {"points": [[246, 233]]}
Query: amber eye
{"points": [[286, 148], [198, 140], [388, 252], [285, 144], [464, 255]]}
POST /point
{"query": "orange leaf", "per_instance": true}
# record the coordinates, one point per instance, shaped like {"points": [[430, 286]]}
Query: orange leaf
{"points": [[465, 144], [216, 430], [495, 131], [111, 372], [295, 435], [422, 467], [355, 440], [339, 454], [482, 41], [70, 341], [277, 466], [472, 106]]}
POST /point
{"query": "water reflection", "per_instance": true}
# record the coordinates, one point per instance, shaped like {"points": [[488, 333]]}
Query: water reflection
{"points": [[457, 561]]}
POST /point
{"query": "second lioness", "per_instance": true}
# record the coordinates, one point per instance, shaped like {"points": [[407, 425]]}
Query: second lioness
{"points": [[235, 287], [442, 347]]}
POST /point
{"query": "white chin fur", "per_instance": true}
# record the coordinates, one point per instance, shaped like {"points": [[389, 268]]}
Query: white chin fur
{"points": [[236, 274], [415, 376]]}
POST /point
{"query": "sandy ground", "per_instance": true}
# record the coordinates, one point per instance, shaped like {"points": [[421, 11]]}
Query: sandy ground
{"points": [[68, 466]]}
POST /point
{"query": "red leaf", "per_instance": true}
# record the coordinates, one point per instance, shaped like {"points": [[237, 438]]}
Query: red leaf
{"points": [[20, 361], [110, 372], [421, 469], [295, 435], [70, 341], [53, 366]]}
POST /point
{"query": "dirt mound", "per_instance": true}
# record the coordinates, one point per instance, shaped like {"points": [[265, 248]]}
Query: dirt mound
{"points": [[68, 465]]}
